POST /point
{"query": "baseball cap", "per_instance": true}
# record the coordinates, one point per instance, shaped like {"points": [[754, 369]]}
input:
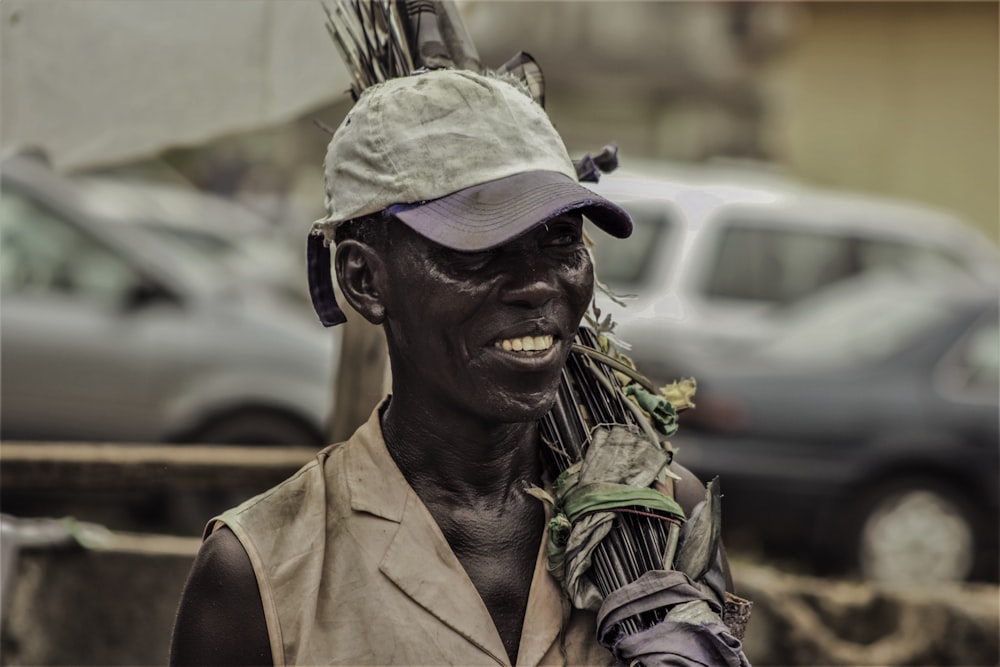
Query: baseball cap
{"points": [[467, 160]]}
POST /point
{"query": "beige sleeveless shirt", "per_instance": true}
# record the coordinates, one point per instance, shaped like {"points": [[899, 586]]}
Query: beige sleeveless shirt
{"points": [[352, 569]]}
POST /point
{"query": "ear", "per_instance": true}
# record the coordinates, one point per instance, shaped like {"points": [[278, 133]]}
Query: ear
{"points": [[359, 269]]}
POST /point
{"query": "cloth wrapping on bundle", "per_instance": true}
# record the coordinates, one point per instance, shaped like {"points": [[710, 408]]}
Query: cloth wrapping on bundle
{"points": [[703, 624], [617, 471], [692, 633]]}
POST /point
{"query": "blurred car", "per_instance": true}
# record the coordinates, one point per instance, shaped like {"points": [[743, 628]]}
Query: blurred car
{"points": [[864, 435], [718, 250], [110, 333]]}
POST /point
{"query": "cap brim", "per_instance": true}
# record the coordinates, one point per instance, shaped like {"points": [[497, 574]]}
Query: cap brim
{"points": [[487, 215]]}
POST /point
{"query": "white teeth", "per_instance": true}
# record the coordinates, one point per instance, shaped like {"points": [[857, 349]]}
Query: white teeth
{"points": [[525, 344]]}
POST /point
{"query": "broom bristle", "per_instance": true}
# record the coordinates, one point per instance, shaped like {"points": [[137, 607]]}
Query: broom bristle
{"points": [[371, 41]]}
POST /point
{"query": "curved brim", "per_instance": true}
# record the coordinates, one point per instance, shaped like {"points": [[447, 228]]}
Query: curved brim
{"points": [[487, 215]]}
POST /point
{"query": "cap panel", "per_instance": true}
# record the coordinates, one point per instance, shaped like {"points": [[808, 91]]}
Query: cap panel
{"points": [[358, 172]]}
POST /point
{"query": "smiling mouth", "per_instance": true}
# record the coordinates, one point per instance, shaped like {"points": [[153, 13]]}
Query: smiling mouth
{"points": [[525, 344]]}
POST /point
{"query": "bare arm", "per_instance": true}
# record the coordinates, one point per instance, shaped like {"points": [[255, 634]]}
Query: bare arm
{"points": [[220, 620]]}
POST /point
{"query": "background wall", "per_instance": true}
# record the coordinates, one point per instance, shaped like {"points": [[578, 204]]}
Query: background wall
{"points": [[898, 98]]}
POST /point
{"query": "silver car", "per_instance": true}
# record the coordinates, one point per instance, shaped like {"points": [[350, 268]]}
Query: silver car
{"points": [[718, 251], [109, 333]]}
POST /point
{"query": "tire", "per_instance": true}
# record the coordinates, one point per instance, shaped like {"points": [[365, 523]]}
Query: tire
{"points": [[257, 428], [915, 531]]}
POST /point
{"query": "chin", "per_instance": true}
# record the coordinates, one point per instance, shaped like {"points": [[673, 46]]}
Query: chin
{"points": [[526, 408]]}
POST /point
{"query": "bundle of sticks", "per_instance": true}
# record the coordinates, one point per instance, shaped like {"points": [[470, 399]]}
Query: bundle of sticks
{"points": [[593, 399]]}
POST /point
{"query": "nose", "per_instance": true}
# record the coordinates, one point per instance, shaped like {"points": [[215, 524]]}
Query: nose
{"points": [[530, 286]]}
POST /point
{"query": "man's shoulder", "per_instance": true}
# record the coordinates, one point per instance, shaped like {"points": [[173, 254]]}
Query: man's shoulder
{"points": [[315, 477], [304, 496]]}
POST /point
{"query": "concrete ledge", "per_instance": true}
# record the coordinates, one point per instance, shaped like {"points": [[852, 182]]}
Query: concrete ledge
{"points": [[140, 487], [67, 466]]}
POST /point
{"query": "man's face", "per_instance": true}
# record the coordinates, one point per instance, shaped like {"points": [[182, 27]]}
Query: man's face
{"points": [[486, 333]]}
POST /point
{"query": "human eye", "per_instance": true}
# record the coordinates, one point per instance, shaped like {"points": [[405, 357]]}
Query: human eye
{"points": [[564, 233], [475, 261], [458, 260]]}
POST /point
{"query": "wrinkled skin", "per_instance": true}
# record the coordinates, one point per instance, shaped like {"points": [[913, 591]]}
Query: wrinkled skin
{"points": [[445, 310]]}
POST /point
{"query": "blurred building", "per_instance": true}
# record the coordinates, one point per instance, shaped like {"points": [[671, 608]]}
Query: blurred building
{"points": [[898, 98], [667, 79]]}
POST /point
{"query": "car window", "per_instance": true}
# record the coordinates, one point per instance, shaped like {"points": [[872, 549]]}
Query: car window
{"points": [[775, 265], [780, 266], [884, 254], [41, 253], [627, 263]]}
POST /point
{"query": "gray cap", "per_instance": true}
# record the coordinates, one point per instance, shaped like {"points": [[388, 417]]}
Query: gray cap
{"points": [[469, 161]]}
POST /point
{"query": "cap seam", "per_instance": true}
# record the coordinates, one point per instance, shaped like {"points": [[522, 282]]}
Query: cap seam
{"points": [[529, 203], [382, 148]]}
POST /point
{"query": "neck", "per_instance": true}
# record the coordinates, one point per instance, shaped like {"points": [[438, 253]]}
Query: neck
{"points": [[457, 455]]}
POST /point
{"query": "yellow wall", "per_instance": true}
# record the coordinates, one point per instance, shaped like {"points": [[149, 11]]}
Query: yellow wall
{"points": [[898, 98]]}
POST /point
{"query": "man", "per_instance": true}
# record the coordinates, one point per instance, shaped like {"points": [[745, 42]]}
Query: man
{"points": [[458, 226]]}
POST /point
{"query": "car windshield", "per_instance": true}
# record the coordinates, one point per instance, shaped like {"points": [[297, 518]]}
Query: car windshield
{"points": [[209, 244], [41, 254], [627, 263], [219, 236]]}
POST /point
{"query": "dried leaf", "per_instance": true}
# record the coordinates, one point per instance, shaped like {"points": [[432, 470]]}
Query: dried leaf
{"points": [[680, 393]]}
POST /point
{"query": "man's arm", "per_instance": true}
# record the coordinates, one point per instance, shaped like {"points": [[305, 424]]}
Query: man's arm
{"points": [[220, 620]]}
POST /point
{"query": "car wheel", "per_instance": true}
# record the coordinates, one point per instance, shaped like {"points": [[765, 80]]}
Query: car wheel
{"points": [[916, 532], [257, 428]]}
